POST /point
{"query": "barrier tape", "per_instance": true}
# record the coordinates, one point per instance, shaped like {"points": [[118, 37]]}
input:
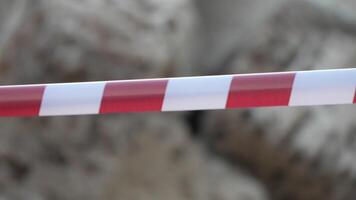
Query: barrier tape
{"points": [[303, 88]]}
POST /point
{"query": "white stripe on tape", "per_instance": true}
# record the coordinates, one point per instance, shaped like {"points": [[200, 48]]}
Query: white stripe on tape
{"points": [[197, 93], [323, 87], [72, 99]]}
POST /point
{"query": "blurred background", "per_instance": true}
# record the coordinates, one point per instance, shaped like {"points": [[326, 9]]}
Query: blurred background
{"points": [[248, 154]]}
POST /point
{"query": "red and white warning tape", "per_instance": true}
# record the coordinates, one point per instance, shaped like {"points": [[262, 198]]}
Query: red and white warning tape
{"points": [[322, 87]]}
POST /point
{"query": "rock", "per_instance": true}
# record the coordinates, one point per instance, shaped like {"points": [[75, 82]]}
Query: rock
{"points": [[104, 157], [165, 164], [76, 40], [297, 153], [226, 26], [300, 153]]}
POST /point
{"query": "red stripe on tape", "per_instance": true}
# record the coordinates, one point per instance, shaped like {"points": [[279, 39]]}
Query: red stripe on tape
{"points": [[21, 100], [354, 97], [260, 90], [133, 96]]}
